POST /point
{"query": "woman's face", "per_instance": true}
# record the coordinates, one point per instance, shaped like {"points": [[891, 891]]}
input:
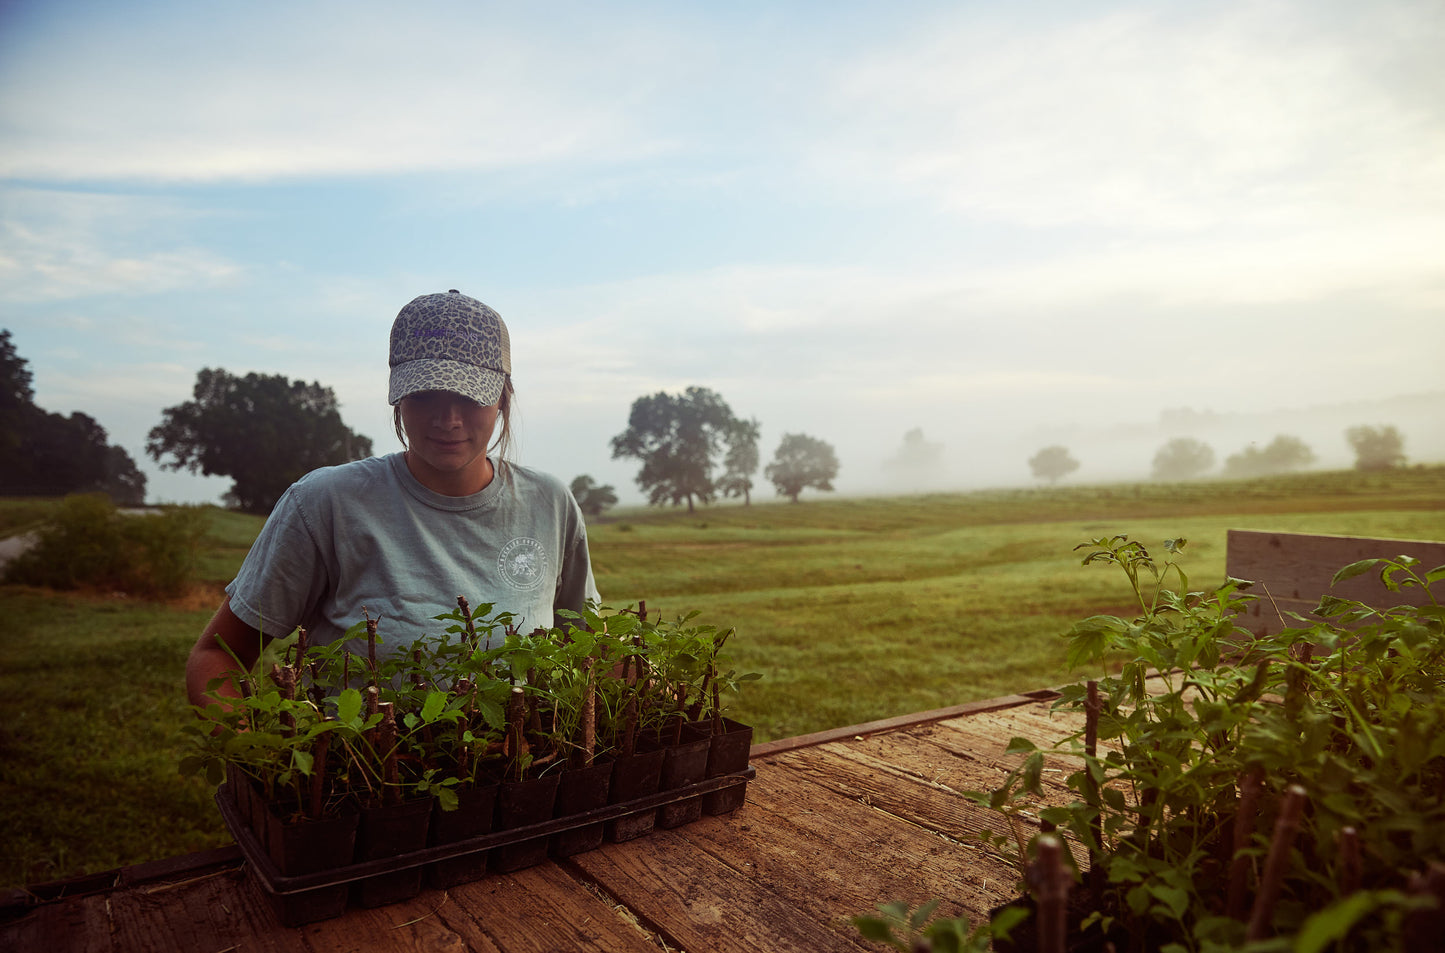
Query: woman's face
{"points": [[447, 437]]}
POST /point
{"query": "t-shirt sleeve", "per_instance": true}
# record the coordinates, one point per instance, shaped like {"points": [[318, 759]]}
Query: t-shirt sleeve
{"points": [[575, 583], [575, 586], [284, 576]]}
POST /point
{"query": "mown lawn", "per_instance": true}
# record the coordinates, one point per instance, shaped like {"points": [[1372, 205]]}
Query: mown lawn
{"points": [[851, 609]]}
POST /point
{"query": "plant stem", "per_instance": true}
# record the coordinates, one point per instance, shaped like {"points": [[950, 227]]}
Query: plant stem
{"points": [[1352, 861], [1285, 829], [589, 713], [1092, 706], [370, 644], [318, 773], [1052, 894], [1246, 813], [516, 732]]}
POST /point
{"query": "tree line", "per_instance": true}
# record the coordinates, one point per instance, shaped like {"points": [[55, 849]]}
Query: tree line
{"points": [[265, 432], [692, 448], [48, 454], [1185, 458]]}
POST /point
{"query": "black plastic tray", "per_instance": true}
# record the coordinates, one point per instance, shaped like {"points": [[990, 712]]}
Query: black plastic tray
{"points": [[266, 871]]}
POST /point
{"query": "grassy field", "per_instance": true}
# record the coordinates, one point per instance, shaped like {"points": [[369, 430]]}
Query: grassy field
{"points": [[852, 609]]}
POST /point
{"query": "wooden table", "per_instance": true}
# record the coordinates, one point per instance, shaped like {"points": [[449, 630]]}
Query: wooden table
{"points": [[834, 824]]}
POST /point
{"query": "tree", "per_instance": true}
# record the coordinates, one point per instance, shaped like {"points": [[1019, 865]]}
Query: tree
{"points": [[677, 437], [593, 499], [17, 398], [1376, 448], [1182, 458], [800, 462], [1284, 453], [917, 456], [50, 454], [741, 461], [262, 430], [1051, 463]]}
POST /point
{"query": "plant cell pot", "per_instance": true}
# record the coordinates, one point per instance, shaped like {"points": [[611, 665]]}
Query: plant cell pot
{"points": [[474, 816], [386, 831], [309, 847], [238, 789], [684, 764], [520, 803], [728, 754], [634, 776], [580, 790]]}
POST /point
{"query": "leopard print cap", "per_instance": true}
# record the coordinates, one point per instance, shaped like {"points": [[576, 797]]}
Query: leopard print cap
{"points": [[449, 342]]}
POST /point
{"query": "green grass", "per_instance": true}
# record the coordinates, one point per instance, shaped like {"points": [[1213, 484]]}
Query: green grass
{"points": [[852, 609], [22, 514]]}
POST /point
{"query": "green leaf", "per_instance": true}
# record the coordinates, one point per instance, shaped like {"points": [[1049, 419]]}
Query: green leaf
{"points": [[921, 915], [1354, 569], [348, 705], [1332, 923], [873, 928], [1020, 745], [435, 702], [1174, 899], [1006, 919]]}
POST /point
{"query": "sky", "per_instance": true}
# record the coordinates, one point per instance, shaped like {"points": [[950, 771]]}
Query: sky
{"points": [[1100, 224]]}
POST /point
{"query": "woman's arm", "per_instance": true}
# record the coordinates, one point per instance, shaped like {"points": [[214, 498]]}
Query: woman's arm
{"points": [[209, 659]]}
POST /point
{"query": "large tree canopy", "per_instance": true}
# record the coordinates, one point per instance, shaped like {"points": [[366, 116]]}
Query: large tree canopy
{"points": [[262, 430], [917, 457], [800, 462], [1053, 462], [1283, 454], [51, 455], [1183, 458], [1376, 448], [678, 438], [592, 498]]}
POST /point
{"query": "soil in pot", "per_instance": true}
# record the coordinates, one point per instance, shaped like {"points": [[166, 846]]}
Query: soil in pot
{"points": [[473, 817], [685, 763], [634, 776], [728, 754], [580, 790], [520, 803], [386, 831], [309, 847]]}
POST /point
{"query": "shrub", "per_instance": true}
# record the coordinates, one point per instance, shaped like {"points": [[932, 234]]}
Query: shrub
{"points": [[89, 543]]}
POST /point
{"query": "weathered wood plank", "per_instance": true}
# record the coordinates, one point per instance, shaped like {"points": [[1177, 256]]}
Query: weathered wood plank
{"points": [[698, 902], [205, 914], [855, 854], [80, 924], [538, 910], [1292, 570]]}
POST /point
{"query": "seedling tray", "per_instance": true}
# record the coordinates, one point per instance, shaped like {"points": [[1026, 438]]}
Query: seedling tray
{"points": [[279, 886]]}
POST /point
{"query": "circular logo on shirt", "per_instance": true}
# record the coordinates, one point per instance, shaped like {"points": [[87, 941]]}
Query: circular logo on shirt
{"points": [[522, 563]]}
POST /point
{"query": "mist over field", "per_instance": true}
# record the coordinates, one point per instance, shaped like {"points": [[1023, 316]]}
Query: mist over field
{"points": [[987, 451]]}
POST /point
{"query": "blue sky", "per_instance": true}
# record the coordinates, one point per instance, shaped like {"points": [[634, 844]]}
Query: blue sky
{"points": [[1008, 224]]}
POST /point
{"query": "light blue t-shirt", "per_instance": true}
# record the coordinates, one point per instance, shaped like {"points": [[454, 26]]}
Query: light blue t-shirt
{"points": [[367, 536]]}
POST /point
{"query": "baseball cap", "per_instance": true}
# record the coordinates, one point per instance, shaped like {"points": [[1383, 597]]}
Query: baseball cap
{"points": [[449, 342]]}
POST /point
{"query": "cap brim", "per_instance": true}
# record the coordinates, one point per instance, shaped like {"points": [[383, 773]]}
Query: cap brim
{"points": [[481, 384]]}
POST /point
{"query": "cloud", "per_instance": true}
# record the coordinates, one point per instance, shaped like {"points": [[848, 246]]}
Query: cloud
{"points": [[1161, 119], [60, 245], [324, 88]]}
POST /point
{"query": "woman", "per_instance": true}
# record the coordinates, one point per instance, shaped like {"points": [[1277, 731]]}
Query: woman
{"points": [[399, 537]]}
